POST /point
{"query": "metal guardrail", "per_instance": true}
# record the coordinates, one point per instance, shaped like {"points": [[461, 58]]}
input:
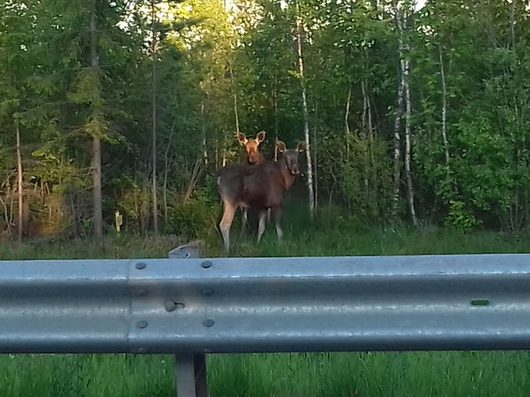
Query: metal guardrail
{"points": [[195, 306]]}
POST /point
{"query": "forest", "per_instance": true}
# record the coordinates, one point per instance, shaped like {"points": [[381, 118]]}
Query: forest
{"points": [[414, 114]]}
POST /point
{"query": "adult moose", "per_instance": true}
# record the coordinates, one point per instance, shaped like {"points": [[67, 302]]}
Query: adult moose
{"points": [[261, 186]]}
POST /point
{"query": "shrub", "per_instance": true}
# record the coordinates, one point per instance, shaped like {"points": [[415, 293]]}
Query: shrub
{"points": [[194, 218]]}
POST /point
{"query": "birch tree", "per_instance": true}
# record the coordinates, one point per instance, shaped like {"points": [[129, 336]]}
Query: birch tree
{"points": [[300, 34], [401, 18]]}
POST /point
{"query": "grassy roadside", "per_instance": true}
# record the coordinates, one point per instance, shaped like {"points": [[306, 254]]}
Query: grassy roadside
{"points": [[439, 374]]}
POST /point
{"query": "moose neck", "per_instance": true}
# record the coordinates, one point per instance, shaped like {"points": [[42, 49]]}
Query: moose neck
{"points": [[288, 178]]}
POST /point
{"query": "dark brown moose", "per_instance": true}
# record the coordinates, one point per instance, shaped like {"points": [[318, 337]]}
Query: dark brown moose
{"points": [[262, 186]]}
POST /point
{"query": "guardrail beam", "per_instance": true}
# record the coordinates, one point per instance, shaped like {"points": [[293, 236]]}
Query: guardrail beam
{"points": [[192, 307]]}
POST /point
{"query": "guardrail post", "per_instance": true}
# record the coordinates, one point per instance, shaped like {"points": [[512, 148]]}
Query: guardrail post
{"points": [[191, 375]]}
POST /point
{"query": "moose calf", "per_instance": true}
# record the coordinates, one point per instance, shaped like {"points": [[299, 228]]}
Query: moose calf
{"points": [[252, 147], [254, 157]]}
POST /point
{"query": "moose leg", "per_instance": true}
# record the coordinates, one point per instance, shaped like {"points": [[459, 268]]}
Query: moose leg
{"points": [[277, 219], [226, 222], [262, 221]]}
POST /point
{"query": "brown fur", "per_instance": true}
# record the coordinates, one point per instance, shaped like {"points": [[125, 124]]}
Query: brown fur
{"points": [[253, 157], [262, 186], [251, 145]]}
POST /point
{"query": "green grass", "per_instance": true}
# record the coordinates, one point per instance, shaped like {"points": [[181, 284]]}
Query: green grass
{"points": [[373, 374], [90, 375], [280, 375], [450, 374]]}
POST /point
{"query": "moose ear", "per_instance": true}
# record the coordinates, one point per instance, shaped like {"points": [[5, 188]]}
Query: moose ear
{"points": [[242, 138], [280, 146], [301, 146], [260, 136]]}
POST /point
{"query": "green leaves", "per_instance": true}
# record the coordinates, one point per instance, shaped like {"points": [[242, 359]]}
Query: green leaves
{"points": [[209, 57]]}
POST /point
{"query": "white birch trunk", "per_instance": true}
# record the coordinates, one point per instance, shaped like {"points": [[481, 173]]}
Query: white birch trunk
{"points": [[444, 108], [310, 186], [397, 148], [405, 71], [347, 113]]}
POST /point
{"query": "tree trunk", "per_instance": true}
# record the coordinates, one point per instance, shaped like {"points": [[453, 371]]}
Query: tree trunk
{"points": [[6, 214], [276, 121], [154, 153], [444, 109], [397, 148], [408, 146], [204, 143], [223, 148], [310, 187], [315, 152], [96, 142], [167, 164], [234, 92], [194, 179], [512, 23], [164, 194], [347, 113], [365, 134], [405, 71], [370, 126], [20, 184], [368, 111]]}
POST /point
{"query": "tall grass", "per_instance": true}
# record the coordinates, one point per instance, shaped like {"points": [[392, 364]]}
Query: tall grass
{"points": [[436, 374], [440, 374], [448, 374]]}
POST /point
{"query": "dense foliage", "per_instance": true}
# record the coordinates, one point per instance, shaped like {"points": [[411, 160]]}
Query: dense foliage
{"points": [[416, 114]]}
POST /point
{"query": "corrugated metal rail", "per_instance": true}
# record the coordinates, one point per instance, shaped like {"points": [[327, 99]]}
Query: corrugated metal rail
{"points": [[233, 305]]}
